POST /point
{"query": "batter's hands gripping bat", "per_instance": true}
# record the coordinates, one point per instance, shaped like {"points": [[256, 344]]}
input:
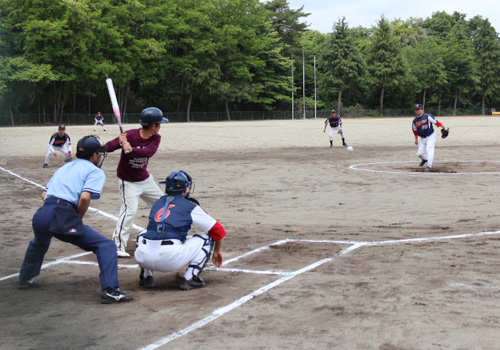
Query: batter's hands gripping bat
{"points": [[114, 104]]}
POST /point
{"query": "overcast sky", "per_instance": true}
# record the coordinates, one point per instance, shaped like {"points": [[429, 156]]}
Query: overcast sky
{"points": [[366, 13]]}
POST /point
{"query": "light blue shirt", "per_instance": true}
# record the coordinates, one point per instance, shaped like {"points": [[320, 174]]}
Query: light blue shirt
{"points": [[78, 176]]}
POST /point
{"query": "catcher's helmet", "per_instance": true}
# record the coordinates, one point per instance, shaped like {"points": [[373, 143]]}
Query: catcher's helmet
{"points": [[176, 182], [152, 115], [89, 145]]}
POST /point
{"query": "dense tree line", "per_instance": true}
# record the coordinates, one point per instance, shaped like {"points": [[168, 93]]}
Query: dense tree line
{"points": [[215, 55]]}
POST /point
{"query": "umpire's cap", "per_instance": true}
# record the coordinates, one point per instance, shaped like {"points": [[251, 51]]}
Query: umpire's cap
{"points": [[152, 115], [419, 106], [89, 145], [176, 182]]}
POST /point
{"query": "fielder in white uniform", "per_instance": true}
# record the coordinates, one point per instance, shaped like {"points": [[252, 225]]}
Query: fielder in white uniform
{"points": [[335, 126], [165, 245]]}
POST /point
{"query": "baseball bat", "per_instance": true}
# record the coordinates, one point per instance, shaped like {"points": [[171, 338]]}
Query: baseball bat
{"points": [[114, 104]]}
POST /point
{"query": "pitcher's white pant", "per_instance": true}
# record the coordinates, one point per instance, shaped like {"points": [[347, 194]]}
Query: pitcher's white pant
{"points": [[130, 192], [63, 149], [426, 148], [338, 129], [151, 255]]}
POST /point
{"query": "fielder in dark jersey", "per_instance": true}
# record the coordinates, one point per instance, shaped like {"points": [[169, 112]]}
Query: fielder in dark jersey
{"points": [[335, 125], [422, 127], [59, 142]]}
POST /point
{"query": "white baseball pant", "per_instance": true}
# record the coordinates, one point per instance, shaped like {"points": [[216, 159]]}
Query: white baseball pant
{"points": [[426, 148], [130, 192], [63, 149], [338, 129], [151, 255]]}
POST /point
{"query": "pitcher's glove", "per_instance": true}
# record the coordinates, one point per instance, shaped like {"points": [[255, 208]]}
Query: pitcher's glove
{"points": [[68, 159], [445, 132]]}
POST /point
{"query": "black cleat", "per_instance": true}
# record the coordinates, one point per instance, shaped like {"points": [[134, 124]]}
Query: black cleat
{"points": [[146, 282], [109, 296], [422, 163], [27, 284], [428, 169], [45, 165], [193, 283]]}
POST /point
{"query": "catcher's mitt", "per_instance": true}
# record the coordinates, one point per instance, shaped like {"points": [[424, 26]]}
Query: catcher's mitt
{"points": [[68, 159], [445, 132]]}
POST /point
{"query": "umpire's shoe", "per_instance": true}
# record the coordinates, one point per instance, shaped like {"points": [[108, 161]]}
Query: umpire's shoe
{"points": [[422, 163], [110, 295], [27, 284], [193, 283]]}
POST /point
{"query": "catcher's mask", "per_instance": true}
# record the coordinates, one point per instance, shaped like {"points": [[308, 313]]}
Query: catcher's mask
{"points": [[176, 182], [89, 145]]}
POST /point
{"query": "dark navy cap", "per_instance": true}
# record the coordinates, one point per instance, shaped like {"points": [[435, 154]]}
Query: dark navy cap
{"points": [[419, 106]]}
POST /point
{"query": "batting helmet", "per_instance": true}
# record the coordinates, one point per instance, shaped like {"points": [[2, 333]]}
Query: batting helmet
{"points": [[176, 182], [89, 145], [152, 115]]}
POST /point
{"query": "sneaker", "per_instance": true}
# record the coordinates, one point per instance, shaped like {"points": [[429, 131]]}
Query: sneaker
{"points": [[331, 146], [344, 144], [193, 283], [109, 296], [428, 169], [422, 163], [147, 282], [122, 254], [45, 165], [27, 284]]}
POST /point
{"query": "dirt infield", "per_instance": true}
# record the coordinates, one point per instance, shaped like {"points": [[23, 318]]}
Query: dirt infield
{"points": [[326, 249]]}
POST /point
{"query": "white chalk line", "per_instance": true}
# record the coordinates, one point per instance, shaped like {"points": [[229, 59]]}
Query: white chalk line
{"points": [[357, 167], [285, 275], [65, 259], [237, 303], [472, 286]]}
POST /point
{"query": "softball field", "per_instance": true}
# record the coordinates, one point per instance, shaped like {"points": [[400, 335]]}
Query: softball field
{"points": [[326, 249]]}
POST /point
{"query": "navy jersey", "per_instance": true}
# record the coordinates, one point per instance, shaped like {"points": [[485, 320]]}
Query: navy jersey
{"points": [[423, 124], [181, 214], [334, 121], [58, 140]]}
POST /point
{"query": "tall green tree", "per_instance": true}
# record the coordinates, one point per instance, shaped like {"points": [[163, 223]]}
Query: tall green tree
{"points": [[486, 44], [341, 61], [459, 63], [386, 62], [286, 24]]}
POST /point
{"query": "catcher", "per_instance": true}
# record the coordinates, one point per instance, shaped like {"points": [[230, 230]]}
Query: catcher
{"points": [[165, 245], [59, 142], [423, 126]]}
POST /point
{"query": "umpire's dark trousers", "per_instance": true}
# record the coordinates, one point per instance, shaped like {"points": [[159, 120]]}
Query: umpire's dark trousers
{"points": [[91, 240]]}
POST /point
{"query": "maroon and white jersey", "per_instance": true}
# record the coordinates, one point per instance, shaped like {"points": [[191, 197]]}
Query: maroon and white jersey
{"points": [[133, 166]]}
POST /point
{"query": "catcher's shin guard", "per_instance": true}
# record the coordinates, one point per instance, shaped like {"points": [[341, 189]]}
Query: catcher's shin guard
{"points": [[207, 248]]}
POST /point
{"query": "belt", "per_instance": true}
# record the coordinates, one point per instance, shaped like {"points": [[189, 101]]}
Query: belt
{"points": [[59, 200], [165, 242]]}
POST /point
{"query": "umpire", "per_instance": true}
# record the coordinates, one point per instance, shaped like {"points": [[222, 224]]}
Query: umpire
{"points": [[66, 198]]}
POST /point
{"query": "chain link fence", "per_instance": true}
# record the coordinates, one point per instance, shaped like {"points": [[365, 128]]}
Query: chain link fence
{"points": [[181, 117]]}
